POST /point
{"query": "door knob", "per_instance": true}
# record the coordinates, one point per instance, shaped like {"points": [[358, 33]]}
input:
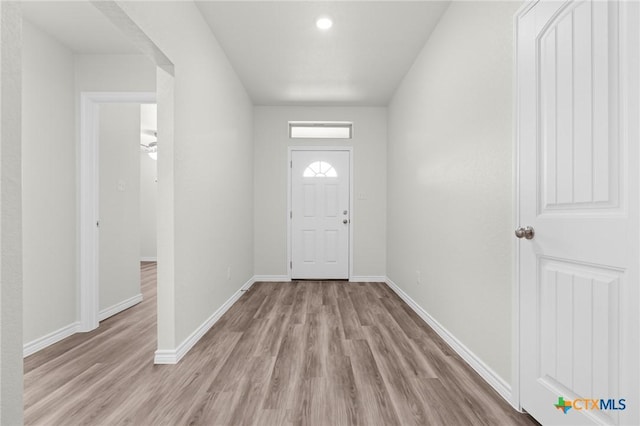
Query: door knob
{"points": [[525, 232], [345, 221]]}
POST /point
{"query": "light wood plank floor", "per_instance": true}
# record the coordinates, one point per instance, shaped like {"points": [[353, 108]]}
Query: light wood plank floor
{"points": [[315, 353]]}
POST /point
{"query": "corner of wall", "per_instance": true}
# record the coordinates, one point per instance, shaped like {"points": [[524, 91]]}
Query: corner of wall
{"points": [[173, 356]]}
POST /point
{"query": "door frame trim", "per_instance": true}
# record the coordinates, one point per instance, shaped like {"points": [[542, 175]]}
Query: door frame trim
{"points": [[290, 150], [88, 198]]}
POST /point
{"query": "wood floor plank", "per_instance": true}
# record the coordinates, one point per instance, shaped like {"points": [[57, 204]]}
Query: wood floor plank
{"points": [[342, 392], [287, 370], [308, 403], [350, 324], [312, 353], [441, 404], [245, 406], [47, 407], [272, 417], [406, 351], [192, 378], [404, 396], [299, 309], [290, 353], [407, 325], [358, 297], [375, 401], [276, 328]]}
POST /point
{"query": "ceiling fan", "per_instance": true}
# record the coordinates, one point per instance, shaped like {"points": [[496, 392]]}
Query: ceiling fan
{"points": [[151, 148]]}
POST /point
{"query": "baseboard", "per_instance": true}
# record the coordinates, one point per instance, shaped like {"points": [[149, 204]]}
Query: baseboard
{"points": [[119, 307], [48, 340], [251, 281], [165, 356], [148, 259], [271, 278], [490, 376], [354, 279], [367, 279], [173, 356]]}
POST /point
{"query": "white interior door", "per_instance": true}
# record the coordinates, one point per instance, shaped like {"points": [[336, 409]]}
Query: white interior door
{"points": [[578, 161], [320, 216]]}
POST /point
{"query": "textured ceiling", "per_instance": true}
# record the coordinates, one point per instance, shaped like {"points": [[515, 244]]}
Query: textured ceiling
{"points": [[283, 59], [78, 25], [275, 47]]}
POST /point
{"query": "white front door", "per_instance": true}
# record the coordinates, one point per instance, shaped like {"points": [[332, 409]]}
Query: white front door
{"points": [[578, 159], [320, 216]]}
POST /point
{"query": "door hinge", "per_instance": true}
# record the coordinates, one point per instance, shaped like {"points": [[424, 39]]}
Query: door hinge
{"points": [[290, 265], [291, 164], [291, 215]]}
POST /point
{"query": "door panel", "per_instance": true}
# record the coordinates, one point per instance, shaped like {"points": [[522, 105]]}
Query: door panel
{"points": [[578, 188], [577, 74], [309, 245], [319, 206], [309, 205], [331, 241], [578, 311], [331, 200]]}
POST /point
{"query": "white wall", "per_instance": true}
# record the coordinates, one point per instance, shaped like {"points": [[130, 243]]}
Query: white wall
{"points": [[370, 176], [450, 179], [53, 79], [148, 188], [119, 250], [49, 185], [115, 73], [212, 168], [11, 365]]}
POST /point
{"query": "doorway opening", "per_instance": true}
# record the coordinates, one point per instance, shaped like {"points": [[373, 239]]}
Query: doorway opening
{"points": [[89, 288], [148, 182]]}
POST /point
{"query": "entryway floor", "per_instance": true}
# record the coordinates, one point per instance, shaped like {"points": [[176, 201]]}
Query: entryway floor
{"points": [[303, 352]]}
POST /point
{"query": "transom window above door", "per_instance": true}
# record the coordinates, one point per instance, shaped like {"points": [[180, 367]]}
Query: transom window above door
{"points": [[320, 130], [320, 169]]}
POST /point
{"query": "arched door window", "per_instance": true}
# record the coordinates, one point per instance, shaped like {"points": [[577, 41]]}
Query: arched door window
{"points": [[320, 169]]}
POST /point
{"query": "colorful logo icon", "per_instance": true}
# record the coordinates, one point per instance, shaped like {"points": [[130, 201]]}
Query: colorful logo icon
{"points": [[580, 404], [563, 405]]}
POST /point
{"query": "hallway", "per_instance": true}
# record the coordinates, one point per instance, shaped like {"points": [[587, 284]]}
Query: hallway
{"points": [[320, 353], [421, 181]]}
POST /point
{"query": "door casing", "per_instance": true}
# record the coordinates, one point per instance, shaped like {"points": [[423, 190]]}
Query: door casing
{"points": [[88, 200], [289, 221]]}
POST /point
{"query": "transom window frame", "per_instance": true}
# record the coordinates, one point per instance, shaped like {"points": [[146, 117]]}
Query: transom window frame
{"points": [[320, 129]]}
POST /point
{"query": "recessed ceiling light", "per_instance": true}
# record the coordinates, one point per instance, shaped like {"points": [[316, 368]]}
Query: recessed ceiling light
{"points": [[324, 23]]}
